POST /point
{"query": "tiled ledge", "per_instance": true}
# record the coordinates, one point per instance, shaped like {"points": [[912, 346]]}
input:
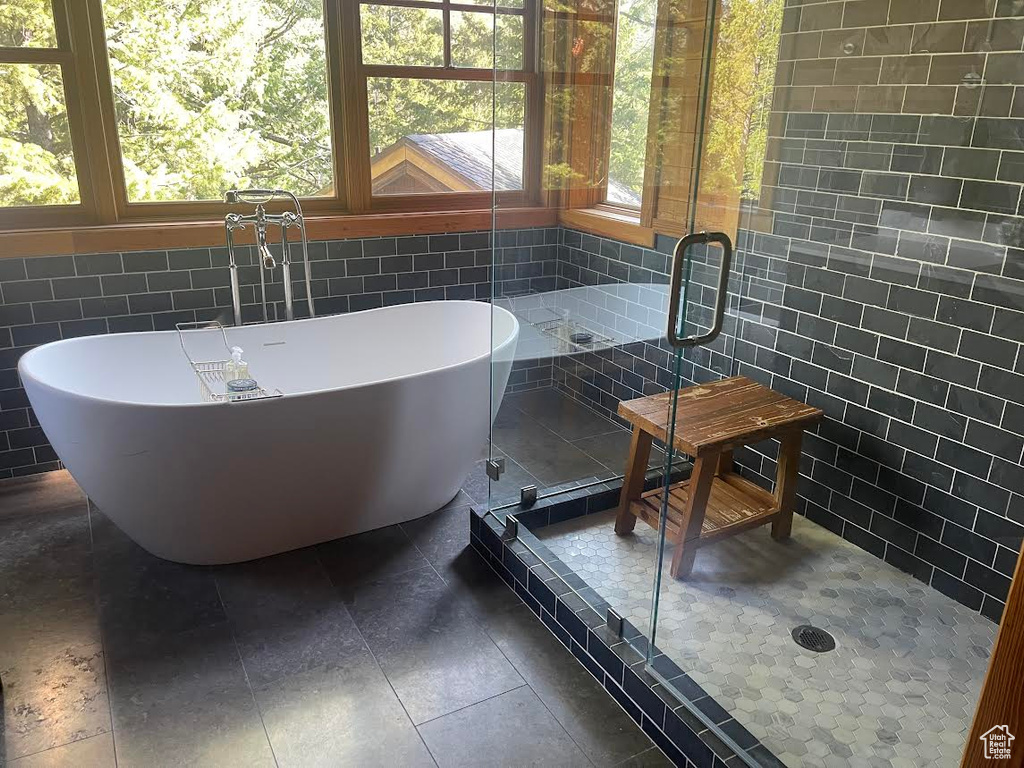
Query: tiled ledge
{"points": [[572, 611]]}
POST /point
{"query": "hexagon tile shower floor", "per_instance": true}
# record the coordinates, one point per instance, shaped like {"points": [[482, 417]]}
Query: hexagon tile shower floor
{"points": [[899, 687]]}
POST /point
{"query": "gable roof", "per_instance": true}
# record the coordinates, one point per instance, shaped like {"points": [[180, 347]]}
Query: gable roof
{"points": [[467, 155]]}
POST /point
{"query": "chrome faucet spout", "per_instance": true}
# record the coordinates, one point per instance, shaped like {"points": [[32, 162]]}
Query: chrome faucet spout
{"points": [[269, 262], [260, 220]]}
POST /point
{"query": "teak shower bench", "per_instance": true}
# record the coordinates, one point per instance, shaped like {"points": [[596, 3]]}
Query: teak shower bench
{"points": [[714, 503]]}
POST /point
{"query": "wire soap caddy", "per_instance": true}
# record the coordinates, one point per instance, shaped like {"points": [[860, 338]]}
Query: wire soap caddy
{"points": [[210, 373]]}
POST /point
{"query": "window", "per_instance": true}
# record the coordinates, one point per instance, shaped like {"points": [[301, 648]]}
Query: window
{"points": [[206, 99], [626, 103], [144, 110], [435, 136], [434, 77], [631, 101], [36, 163], [38, 153]]}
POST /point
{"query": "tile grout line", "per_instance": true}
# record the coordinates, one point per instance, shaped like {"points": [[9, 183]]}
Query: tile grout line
{"points": [[103, 639], [245, 672], [537, 617], [509, 660], [369, 650], [497, 647], [564, 439], [464, 707]]}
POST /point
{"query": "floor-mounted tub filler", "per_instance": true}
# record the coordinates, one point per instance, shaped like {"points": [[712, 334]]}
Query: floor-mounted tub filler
{"points": [[380, 418]]}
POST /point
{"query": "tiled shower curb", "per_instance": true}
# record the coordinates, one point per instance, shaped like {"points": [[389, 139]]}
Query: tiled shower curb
{"points": [[568, 607]]}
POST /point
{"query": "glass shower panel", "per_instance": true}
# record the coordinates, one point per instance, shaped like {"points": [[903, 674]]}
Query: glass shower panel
{"points": [[878, 241], [592, 309], [555, 429]]}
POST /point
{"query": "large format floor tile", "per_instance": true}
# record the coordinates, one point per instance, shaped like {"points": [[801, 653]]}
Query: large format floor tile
{"points": [[540, 451], [369, 556], [612, 449], [428, 644], [51, 657], [286, 616], [44, 556], [511, 729], [441, 536], [53, 694], [652, 758], [343, 715], [50, 492], [548, 439], [328, 655], [590, 716], [142, 596], [561, 414], [476, 586], [184, 700]]}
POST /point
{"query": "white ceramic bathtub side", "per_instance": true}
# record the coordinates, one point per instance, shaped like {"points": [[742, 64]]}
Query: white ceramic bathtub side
{"points": [[384, 414]]}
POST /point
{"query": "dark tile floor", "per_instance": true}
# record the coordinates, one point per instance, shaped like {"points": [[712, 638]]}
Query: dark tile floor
{"points": [[396, 647], [548, 439]]}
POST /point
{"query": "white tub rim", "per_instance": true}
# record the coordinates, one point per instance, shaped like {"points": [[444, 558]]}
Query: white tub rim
{"points": [[24, 364]]}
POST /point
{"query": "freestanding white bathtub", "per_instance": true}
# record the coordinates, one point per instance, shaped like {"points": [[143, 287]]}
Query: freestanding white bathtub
{"points": [[383, 415]]}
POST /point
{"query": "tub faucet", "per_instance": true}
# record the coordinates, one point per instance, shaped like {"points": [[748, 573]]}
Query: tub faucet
{"points": [[261, 244], [260, 220]]}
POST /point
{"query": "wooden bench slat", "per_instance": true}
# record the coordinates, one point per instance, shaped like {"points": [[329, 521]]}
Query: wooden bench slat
{"points": [[728, 505], [711, 417]]}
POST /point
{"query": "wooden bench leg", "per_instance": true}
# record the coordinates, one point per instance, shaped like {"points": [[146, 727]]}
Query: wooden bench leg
{"points": [[704, 469], [633, 481], [785, 484], [725, 464]]}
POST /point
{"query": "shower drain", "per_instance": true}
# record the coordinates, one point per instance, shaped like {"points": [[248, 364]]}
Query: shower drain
{"points": [[813, 638]]}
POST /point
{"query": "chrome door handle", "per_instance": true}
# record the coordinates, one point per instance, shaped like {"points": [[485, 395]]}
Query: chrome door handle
{"points": [[678, 262]]}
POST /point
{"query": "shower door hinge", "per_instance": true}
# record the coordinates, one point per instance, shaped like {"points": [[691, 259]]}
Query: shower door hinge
{"points": [[527, 496], [614, 622], [494, 468], [511, 532]]}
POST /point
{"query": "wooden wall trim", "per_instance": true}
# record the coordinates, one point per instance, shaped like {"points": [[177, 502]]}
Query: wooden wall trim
{"points": [[1002, 695], [210, 233], [608, 224]]}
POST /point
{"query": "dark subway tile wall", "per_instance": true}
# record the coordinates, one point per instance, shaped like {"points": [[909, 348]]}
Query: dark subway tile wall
{"points": [[46, 298], [889, 291], [603, 379]]}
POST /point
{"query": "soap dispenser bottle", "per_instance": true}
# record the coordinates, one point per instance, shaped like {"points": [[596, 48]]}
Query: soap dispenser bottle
{"points": [[236, 368]]}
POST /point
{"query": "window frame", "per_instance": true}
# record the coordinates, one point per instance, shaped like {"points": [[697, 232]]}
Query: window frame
{"points": [[68, 56], [88, 89], [360, 196], [184, 210], [643, 212]]}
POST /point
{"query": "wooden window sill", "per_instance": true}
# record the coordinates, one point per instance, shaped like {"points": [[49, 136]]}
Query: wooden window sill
{"points": [[168, 235], [608, 223]]}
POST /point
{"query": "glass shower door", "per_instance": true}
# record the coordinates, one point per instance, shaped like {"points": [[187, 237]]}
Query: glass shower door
{"points": [[891, 203], [709, 310], [692, 325]]}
